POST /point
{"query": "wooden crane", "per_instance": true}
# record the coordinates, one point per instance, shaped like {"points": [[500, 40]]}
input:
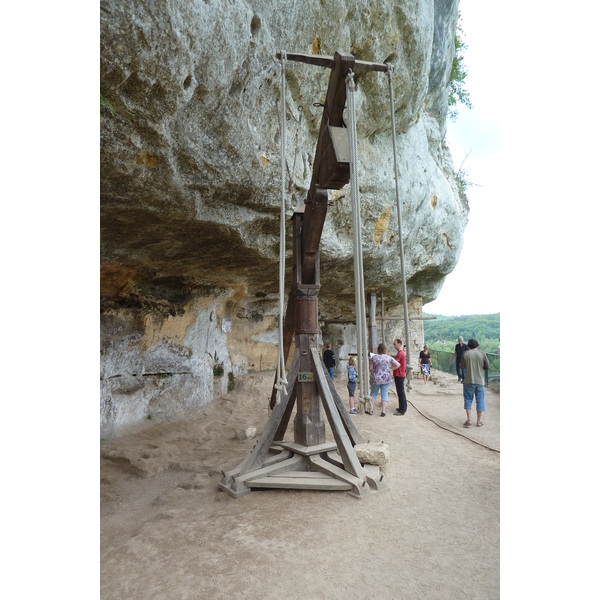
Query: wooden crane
{"points": [[310, 462]]}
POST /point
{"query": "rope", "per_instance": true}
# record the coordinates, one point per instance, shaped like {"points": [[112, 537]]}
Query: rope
{"points": [[281, 382], [436, 422], [364, 399], [409, 368], [453, 430]]}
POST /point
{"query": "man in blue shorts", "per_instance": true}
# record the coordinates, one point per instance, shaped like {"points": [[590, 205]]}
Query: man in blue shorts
{"points": [[475, 362]]}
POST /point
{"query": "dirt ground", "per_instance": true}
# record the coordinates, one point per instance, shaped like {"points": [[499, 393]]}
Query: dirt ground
{"points": [[167, 532]]}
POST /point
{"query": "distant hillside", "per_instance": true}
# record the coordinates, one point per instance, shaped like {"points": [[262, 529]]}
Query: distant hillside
{"points": [[442, 333]]}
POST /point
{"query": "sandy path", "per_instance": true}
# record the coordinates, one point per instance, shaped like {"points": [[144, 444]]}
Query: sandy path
{"points": [[167, 532]]}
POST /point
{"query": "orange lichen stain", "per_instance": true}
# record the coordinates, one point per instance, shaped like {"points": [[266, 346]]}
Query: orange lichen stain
{"points": [[116, 280], [316, 46], [433, 200], [146, 159], [264, 161], [381, 225]]}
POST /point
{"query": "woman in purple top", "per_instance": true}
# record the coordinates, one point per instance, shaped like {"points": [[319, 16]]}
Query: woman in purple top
{"points": [[381, 365]]}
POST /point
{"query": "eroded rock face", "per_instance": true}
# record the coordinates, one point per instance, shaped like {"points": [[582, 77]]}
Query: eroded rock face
{"points": [[190, 171]]}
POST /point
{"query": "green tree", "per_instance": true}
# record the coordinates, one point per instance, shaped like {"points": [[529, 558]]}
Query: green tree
{"points": [[442, 333], [457, 91]]}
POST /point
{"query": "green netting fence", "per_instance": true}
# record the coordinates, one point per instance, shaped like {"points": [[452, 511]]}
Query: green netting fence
{"points": [[442, 361]]}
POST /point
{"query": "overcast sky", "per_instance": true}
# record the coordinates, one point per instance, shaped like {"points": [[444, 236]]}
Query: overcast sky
{"points": [[472, 288], [533, 76]]}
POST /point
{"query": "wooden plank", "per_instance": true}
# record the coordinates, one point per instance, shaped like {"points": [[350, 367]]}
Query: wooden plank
{"points": [[235, 485], [351, 430], [335, 459], [345, 448], [335, 101], [285, 419], [289, 464], [316, 205], [432, 318], [296, 483], [270, 460], [320, 60], [268, 435], [362, 66], [315, 213], [375, 477], [352, 320], [303, 474], [326, 467], [308, 450]]}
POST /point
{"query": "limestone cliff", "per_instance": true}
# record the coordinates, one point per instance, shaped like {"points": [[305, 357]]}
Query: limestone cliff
{"points": [[190, 180]]}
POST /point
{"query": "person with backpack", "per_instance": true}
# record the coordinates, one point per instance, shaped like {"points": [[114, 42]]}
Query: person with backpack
{"points": [[352, 375]]}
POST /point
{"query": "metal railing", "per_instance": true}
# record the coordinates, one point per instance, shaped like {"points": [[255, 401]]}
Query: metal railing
{"points": [[442, 361]]}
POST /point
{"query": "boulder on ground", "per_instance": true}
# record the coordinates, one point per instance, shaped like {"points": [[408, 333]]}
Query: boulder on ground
{"points": [[246, 433], [373, 454]]}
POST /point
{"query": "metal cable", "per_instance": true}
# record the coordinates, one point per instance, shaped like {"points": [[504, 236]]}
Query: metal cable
{"points": [[359, 282], [409, 368]]}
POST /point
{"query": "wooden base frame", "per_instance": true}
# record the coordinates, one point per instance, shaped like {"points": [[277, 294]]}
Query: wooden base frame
{"points": [[275, 463]]}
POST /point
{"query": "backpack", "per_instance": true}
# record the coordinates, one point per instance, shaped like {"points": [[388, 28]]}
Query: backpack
{"points": [[352, 373]]}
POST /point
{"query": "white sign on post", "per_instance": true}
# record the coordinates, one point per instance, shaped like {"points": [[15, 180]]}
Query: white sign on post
{"points": [[305, 377]]}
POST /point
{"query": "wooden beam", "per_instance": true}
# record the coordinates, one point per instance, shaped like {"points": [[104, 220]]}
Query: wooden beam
{"points": [[345, 447], [314, 481], [409, 318], [360, 66], [315, 212], [352, 320], [259, 452], [316, 204], [318, 60], [351, 430], [229, 476]]}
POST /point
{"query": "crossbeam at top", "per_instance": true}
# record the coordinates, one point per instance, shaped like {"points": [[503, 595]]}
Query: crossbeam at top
{"points": [[360, 66]]}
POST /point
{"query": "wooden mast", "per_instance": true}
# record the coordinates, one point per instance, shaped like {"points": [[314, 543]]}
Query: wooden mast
{"points": [[310, 462]]}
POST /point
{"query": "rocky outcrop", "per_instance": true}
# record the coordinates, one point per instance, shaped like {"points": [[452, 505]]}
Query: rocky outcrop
{"points": [[190, 180]]}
